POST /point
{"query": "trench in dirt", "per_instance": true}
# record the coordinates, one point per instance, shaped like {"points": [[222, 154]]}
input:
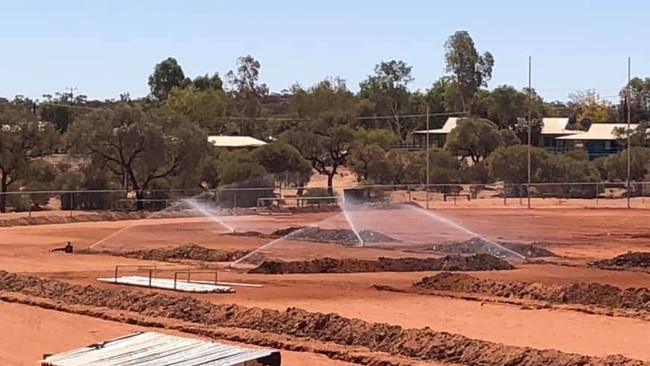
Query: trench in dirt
{"points": [[419, 344]]}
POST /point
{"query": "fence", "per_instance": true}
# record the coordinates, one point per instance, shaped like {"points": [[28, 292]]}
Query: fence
{"points": [[437, 196]]}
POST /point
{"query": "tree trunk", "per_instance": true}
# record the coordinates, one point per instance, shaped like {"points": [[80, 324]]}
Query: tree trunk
{"points": [[3, 192], [330, 179], [139, 197]]}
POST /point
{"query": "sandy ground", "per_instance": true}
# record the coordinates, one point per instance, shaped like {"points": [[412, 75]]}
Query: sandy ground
{"points": [[47, 331], [579, 234]]}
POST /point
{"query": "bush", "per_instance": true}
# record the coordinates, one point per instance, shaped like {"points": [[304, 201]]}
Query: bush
{"points": [[246, 193], [319, 192]]}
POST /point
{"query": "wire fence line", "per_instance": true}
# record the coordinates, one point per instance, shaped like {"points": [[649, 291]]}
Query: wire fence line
{"points": [[433, 196]]}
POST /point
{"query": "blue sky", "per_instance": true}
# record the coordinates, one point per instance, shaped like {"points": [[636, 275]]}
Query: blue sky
{"points": [[104, 48]]}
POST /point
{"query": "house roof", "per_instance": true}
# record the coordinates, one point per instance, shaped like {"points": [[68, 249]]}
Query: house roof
{"points": [[449, 125], [235, 141], [557, 126], [152, 348], [598, 131]]}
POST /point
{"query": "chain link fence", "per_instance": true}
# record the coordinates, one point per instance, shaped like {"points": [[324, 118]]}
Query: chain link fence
{"points": [[437, 196]]}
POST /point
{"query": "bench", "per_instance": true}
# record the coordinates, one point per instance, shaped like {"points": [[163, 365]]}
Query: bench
{"points": [[455, 195]]}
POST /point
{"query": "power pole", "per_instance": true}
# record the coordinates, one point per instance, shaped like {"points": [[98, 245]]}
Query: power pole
{"points": [[426, 188], [530, 122], [72, 90], [629, 132]]}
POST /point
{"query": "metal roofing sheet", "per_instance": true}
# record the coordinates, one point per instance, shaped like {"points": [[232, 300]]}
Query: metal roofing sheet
{"points": [[449, 125], [167, 284], [599, 131], [156, 349], [235, 141]]}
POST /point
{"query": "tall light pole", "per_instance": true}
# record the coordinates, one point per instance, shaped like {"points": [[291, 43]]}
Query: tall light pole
{"points": [[426, 188], [629, 132], [530, 122]]}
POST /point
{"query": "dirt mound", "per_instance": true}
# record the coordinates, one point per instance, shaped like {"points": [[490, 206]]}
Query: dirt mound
{"points": [[104, 216], [479, 262], [340, 236], [423, 344], [627, 260], [595, 294], [183, 252], [499, 249]]}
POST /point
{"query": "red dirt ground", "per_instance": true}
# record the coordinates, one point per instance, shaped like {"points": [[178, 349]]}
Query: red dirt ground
{"points": [[582, 235]]}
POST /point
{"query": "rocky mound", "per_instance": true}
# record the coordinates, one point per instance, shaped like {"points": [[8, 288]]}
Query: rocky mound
{"points": [[627, 260], [595, 294], [423, 344], [499, 249], [183, 252], [479, 262], [340, 236]]}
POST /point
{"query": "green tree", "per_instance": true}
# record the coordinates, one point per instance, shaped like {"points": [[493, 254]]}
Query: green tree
{"points": [[510, 164], [139, 147], [284, 162], [167, 75], [444, 168], [58, 109], [471, 71], [506, 104], [22, 139], [639, 101], [326, 136], [248, 96], [388, 90], [242, 180], [616, 165], [206, 82], [476, 138], [206, 107], [639, 136]]}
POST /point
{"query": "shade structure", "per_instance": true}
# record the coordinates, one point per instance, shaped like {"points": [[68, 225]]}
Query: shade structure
{"points": [[151, 348]]}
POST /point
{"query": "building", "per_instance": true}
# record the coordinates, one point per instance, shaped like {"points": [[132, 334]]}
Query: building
{"points": [[552, 129], [235, 142], [150, 348], [599, 140], [437, 137]]}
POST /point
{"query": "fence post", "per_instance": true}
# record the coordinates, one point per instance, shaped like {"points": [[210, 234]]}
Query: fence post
{"points": [[597, 192], [505, 194], [234, 199], [71, 201]]}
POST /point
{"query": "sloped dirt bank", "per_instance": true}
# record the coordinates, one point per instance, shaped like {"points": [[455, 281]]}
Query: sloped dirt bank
{"points": [[639, 260], [184, 252], [592, 294], [424, 344], [498, 249], [479, 262]]}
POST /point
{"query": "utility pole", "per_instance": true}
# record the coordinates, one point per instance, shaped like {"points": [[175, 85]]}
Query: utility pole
{"points": [[629, 132], [426, 188], [530, 122], [72, 90]]}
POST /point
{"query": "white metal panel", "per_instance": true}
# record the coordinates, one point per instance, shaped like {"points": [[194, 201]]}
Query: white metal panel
{"points": [[235, 141], [156, 349], [167, 284]]}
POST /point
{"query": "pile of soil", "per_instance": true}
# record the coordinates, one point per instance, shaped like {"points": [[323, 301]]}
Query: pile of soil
{"points": [[183, 252], [502, 250], [340, 236], [479, 262], [423, 344], [628, 260], [595, 294], [101, 216]]}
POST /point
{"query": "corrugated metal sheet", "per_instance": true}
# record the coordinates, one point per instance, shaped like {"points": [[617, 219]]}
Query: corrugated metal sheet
{"points": [[449, 125], [167, 284], [599, 131], [235, 141], [156, 349], [556, 126]]}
